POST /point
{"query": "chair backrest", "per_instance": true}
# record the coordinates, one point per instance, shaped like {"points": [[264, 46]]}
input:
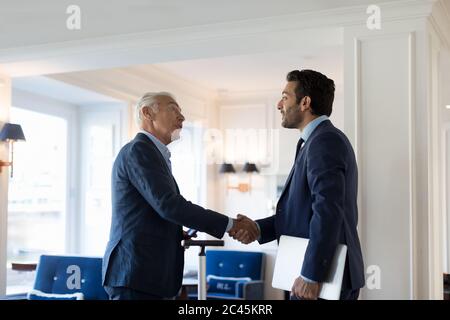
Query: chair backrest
{"points": [[228, 263], [70, 274]]}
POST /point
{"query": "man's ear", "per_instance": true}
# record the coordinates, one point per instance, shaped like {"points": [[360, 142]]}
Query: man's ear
{"points": [[305, 103], [147, 113]]}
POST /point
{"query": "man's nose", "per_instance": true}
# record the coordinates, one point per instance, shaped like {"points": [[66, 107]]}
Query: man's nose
{"points": [[280, 105]]}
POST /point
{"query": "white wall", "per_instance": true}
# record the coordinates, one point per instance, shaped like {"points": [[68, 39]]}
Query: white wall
{"points": [[377, 121], [384, 152], [391, 118]]}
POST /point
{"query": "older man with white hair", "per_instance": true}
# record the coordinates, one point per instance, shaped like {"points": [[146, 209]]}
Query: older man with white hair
{"points": [[144, 258]]}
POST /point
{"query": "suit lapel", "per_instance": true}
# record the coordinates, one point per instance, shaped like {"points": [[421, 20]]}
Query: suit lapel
{"points": [[143, 137], [324, 124], [288, 181], [176, 184]]}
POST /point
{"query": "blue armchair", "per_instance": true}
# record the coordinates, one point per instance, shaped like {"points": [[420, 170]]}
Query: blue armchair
{"points": [[68, 277], [237, 275]]}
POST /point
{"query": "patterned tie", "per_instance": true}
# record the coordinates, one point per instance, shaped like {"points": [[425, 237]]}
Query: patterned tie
{"points": [[299, 146], [169, 163]]}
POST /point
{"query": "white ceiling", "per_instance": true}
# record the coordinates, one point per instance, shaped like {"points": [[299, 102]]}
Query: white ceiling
{"points": [[256, 72], [44, 21], [233, 74], [58, 90], [34, 39]]}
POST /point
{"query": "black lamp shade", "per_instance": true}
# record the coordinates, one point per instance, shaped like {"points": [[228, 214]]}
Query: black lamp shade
{"points": [[227, 168], [11, 131], [250, 167]]}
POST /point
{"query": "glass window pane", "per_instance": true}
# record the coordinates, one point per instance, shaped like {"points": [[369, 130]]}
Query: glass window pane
{"points": [[37, 192], [187, 165], [97, 206], [187, 162]]}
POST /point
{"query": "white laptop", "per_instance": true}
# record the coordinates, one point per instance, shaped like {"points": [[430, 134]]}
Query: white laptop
{"points": [[289, 262]]}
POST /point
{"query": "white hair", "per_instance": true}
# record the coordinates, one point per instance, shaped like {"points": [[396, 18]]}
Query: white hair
{"points": [[149, 100]]}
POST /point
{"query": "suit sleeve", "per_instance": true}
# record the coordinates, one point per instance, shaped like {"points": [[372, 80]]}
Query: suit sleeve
{"points": [[153, 183], [267, 227], [326, 165]]}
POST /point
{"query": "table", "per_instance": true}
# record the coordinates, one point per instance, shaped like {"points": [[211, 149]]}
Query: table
{"points": [[20, 266]]}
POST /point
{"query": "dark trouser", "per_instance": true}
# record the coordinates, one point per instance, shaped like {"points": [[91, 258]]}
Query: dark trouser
{"points": [[345, 295], [124, 293], [349, 294]]}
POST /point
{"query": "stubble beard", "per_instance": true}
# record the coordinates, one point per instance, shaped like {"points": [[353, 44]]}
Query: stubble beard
{"points": [[292, 122]]}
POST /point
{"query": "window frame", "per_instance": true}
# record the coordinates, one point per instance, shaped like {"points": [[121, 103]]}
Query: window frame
{"points": [[86, 114], [68, 112]]}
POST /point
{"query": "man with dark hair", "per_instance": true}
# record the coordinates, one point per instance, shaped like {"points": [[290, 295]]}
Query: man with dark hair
{"points": [[319, 199], [315, 85]]}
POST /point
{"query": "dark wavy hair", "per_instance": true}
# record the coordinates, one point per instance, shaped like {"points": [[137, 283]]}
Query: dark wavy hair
{"points": [[316, 86]]}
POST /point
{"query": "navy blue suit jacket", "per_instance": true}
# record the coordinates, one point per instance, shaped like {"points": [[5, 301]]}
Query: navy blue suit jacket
{"points": [[319, 202], [144, 251]]}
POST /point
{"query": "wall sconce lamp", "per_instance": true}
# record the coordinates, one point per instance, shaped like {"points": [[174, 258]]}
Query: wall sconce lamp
{"points": [[249, 168], [11, 133]]}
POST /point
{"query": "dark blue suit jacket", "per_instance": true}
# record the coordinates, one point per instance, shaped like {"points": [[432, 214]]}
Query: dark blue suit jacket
{"points": [[144, 251], [319, 202]]}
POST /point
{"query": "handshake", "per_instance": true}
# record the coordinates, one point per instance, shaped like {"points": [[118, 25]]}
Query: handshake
{"points": [[244, 230]]}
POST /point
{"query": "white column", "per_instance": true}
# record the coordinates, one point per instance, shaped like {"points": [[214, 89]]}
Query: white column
{"points": [[5, 103], [445, 153], [389, 117], [436, 213]]}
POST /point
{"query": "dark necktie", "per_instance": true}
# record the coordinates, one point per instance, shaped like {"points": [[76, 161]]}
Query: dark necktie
{"points": [[299, 146]]}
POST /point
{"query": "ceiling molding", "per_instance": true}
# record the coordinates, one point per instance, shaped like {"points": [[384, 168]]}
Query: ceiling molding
{"points": [[173, 44], [95, 85], [130, 83], [157, 76], [148, 51]]}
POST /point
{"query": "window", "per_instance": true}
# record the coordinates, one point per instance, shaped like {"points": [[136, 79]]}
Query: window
{"points": [[59, 197], [187, 163], [189, 169], [37, 192], [97, 204], [100, 142]]}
